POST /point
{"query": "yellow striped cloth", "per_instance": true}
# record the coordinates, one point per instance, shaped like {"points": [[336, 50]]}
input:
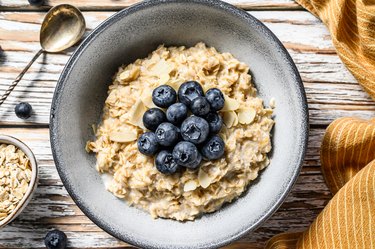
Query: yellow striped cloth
{"points": [[348, 165], [348, 147], [352, 27]]}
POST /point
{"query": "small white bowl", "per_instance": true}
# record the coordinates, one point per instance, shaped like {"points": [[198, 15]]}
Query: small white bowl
{"points": [[5, 139]]}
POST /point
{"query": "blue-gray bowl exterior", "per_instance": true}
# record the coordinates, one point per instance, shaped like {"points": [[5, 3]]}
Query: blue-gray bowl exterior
{"points": [[133, 33]]}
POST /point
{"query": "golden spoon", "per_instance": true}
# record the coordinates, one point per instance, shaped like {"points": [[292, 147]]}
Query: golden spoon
{"points": [[62, 27]]}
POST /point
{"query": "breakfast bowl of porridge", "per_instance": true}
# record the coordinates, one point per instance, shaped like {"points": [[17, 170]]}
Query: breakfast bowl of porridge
{"points": [[179, 124]]}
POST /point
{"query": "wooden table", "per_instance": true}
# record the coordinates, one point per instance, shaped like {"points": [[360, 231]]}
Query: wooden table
{"points": [[332, 92]]}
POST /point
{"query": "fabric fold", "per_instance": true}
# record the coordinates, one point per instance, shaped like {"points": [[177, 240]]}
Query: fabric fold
{"points": [[348, 165], [352, 27]]}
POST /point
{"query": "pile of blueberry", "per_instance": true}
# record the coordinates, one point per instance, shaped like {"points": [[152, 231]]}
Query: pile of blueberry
{"points": [[180, 140]]}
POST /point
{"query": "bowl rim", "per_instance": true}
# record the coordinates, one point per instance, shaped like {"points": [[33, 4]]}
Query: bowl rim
{"points": [[147, 4], [6, 139]]}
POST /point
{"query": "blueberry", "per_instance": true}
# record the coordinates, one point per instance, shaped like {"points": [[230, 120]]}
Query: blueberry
{"points": [[164, 96], [147, 144], [23, 110], [153, 117], [216, 99], [200, 106], [195, 129], [188, 91], [55, 239], [186, 154], [167, 134], [215, 122], [36, 2], [165, 162], [213, 148], [176, 113]]}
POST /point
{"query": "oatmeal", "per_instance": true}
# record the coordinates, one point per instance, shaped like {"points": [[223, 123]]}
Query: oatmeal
{"points": [[189, 193], [15, 175]]}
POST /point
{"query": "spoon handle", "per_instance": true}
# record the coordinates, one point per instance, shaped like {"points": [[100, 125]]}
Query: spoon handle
{"points": [[19, 77]]}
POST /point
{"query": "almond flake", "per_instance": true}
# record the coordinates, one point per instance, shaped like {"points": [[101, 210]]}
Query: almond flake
{"points": [[146, 98], [204, 179], [130, 75], [136, 114], [162, 67], [235, 119], [230, 104], [229, 118], [163, 79], [123, 136], [190, 186], [246, 116]]}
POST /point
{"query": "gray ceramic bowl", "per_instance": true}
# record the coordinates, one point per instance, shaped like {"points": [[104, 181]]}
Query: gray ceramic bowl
{"points": [[135, 32]]}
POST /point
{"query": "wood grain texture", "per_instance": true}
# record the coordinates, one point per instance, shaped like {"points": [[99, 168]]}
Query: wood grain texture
{"points": [[332, 91], [51, 206], [120, 4]]}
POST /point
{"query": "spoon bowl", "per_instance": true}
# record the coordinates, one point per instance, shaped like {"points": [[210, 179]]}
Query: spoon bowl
{"points": [[62, 27]]}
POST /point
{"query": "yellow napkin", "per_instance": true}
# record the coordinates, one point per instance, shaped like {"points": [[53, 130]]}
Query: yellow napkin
{"points": [[352, 27], [348, 147], [348, 164]]}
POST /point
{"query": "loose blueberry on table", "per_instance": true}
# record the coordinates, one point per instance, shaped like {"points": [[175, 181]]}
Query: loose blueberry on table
{"points": [[176, 139], [55, 239], [23, 110], [36, 2]]}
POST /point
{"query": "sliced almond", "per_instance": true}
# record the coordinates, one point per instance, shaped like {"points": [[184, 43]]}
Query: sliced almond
{"points": [[235, 120], [163, 79], [146, 98], [162, 67], [229, 118], [130, 74], [190, 186], [223, 133], [136, 114], [230, 104], [246, 116], [123, 136], [204, 179]]}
